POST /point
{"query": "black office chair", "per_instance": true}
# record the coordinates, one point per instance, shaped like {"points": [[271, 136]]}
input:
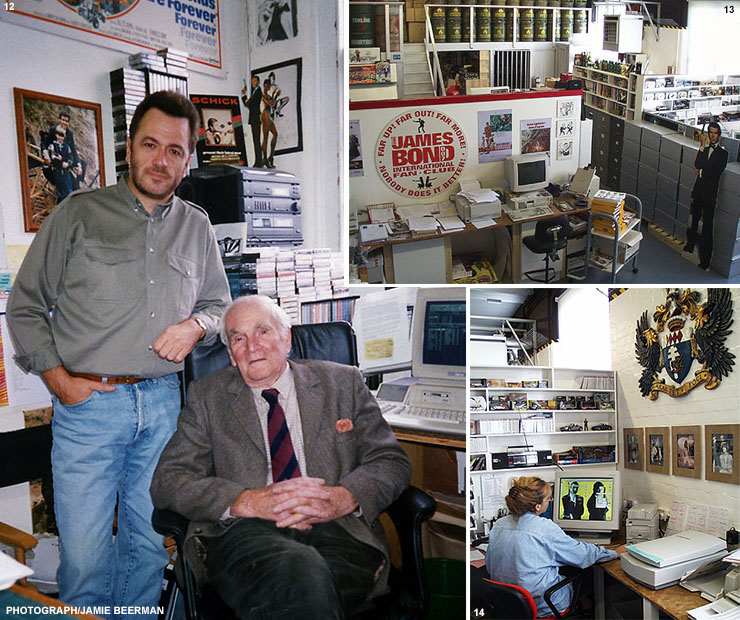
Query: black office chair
{"points": [[25, 455], [506, 601], [409, 596], [550, 236]]}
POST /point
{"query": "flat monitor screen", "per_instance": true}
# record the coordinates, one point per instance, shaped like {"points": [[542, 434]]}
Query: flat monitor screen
{"points": [[586, 499], [444, 333], [531, 172]]}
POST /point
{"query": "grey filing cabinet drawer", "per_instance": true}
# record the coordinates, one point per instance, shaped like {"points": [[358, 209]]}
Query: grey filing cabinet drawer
{"points": [[649, 157]]}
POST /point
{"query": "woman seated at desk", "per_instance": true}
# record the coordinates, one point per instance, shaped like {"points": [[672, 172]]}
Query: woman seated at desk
{"points": [[527, 550]]}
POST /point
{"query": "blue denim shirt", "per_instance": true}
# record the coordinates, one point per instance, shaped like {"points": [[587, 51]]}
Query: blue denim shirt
{"points": [[527, 552]]}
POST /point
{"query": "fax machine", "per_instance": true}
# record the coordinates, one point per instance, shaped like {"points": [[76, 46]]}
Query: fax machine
{"points": [[661, 563], [474, 203]]}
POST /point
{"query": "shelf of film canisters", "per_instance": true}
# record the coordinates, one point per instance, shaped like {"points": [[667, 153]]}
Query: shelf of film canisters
{"points": [[538, 423]]}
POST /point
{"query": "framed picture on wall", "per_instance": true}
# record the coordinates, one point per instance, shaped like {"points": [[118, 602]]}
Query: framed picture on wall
{"points": [[634, 448], [280, 121], [60, 148], [687, 446], [721, 449], [565, 149], [566, 108], [657, 450]]}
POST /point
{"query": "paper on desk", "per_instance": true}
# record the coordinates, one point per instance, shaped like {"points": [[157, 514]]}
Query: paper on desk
{"points": [[450, 222], [11, 571], [426, 222], [444, 209], [734, 557], [479, 195], [381, 214], [414, 211], [483, 222]]}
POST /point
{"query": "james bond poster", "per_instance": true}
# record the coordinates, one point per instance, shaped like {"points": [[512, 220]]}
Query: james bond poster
{"points": [[132, 26]]}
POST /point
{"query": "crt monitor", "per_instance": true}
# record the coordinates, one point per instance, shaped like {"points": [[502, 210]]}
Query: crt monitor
{"points": [[526, 173], [439, 335], [587, 502]]}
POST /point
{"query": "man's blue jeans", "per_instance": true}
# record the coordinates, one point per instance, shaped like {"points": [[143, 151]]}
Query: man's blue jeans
{"points": [[106, 448]]}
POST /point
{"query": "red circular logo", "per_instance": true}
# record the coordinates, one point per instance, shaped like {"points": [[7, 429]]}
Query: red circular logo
{"points": [[421, 153]]}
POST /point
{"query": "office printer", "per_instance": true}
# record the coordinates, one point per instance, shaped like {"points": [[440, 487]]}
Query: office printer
{"points": [[661, 563], [473, 203]]}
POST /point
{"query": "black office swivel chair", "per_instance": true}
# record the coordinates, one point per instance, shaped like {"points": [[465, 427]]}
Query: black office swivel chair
{"points": [[550, 236], [409, 596], [505, 601], [25, 455]]}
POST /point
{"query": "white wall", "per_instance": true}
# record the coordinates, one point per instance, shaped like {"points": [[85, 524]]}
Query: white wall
{"points": [[371, 188], [700, 406], [49, 63], [583, 330]]}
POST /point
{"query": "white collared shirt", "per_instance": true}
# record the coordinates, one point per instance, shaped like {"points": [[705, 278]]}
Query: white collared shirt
{"points": [[289, 401]]}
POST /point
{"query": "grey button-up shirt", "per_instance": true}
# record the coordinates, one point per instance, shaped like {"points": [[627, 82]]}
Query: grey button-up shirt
{"points": [[116, 277]]}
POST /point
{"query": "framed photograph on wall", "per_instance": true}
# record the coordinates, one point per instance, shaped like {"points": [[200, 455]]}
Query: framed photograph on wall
{"points": [[687, 446], [634, 448], [658, 449], [280, 121], [60, 147], [721, 449]]}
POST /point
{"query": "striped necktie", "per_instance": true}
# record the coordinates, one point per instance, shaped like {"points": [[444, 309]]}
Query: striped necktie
{"points": [[284, 462]]}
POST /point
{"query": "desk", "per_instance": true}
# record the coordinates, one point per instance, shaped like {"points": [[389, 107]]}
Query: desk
{"points": [[673, 600], [18, 596], [429, 258]]}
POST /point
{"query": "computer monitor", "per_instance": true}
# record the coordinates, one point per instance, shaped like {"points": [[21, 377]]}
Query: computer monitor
{"points": [[439, 335], [587, 503], [526, 173]]}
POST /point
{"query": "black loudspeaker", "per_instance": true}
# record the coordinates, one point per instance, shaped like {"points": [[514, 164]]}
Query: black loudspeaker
{"points": [[218, 189], [544, 457], [500, 460]]}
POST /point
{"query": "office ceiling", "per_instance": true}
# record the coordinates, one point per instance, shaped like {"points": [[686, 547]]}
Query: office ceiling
{"points": [[500, 302]]}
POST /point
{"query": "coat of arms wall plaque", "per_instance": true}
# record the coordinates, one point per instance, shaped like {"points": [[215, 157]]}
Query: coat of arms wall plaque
{"points": [[684, 331]]}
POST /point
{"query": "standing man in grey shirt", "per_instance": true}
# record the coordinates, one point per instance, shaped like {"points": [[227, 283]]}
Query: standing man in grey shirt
{"points": [[135, 280]]}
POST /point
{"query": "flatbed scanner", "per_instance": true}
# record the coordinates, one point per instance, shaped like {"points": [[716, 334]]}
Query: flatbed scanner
{"points": [[661, 563]]}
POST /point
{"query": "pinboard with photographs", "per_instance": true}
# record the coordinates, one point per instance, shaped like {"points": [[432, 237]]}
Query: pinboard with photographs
{"points": [[280, 121], [687, 452], [658, 450], [634, 448], [60, 149], [721, 451]]}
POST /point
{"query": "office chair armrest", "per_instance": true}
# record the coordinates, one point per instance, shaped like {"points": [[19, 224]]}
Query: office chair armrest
{"points": [[170, 523], [408, 512], [575, 577], [16, 538]]}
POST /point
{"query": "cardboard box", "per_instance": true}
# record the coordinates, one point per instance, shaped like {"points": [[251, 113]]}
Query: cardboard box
{"points": [[416, 32]]}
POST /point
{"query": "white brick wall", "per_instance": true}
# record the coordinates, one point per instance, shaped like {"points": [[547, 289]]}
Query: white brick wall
{"points": [[700, 406]]}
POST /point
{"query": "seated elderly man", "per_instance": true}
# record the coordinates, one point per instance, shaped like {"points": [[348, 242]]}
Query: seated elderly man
{"points": [[289, 463]]}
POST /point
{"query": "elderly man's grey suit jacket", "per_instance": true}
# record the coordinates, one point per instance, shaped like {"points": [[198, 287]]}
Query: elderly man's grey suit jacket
{"points": [[218, 449]]}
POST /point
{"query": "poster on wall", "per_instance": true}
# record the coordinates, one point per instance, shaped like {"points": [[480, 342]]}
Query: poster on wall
{"points": [[277, 20], [565, 128], [131, 26], [536, 135], [421, 153], [494, 135], [280, 119], [565, 149], [221, 136], [355, 150], [60, 149]]}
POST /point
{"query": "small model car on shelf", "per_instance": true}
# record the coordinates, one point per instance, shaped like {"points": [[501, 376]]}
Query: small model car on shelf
{"points": [[571, 428], [601, 427]]}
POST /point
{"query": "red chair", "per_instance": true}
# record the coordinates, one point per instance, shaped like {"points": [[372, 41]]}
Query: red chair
{"points": [[505, 601]]}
